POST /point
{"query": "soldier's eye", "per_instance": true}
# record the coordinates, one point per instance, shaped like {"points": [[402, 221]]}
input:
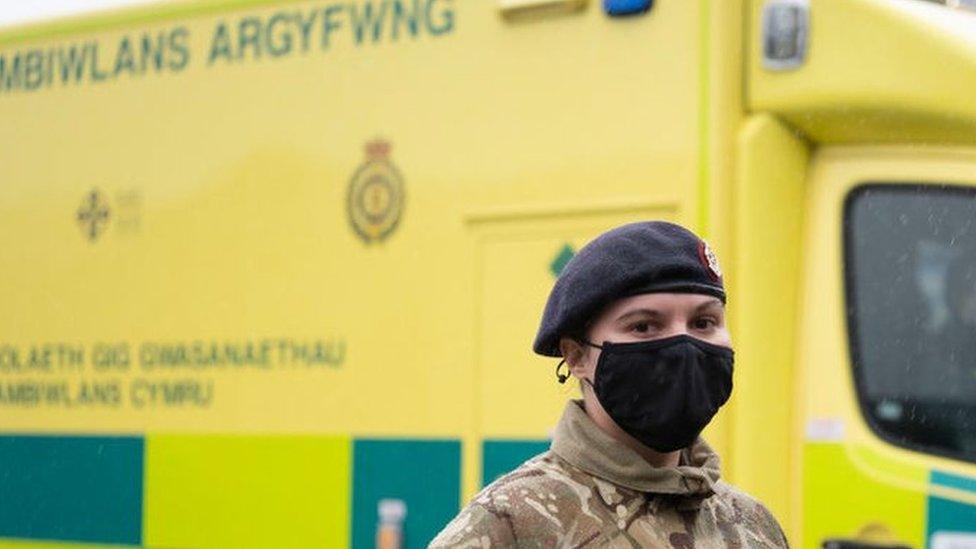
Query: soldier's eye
{"points": [[704, 323]]}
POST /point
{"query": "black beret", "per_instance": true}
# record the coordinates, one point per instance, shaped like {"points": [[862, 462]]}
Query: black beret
{"points": [[637, 258]]}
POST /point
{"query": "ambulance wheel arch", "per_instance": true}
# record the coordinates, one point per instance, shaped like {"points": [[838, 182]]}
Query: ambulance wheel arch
{"points": [[891, 485]]}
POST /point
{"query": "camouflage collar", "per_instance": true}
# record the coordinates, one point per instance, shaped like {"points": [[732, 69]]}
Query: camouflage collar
{"points": [[581, 443]]}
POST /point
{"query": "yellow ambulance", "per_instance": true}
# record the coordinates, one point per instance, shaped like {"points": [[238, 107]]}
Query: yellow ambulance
{"points": [[271, 270]]}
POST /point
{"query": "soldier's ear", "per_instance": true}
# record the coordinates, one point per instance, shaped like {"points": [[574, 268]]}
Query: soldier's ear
{"points": [[574, 353]]}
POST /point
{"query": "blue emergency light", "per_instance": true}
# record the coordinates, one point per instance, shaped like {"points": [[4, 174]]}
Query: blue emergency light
{"points": [[618, 8]]}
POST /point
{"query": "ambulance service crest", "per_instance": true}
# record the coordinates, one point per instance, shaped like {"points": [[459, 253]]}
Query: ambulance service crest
{"points": [[375, 197]]}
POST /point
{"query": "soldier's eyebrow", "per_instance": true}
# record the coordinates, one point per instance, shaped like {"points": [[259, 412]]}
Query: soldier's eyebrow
{"points": [[637, 312], [714, 302]]}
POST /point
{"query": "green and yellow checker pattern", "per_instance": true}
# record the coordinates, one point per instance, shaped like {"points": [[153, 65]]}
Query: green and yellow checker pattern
{"points": [[172, 490]]}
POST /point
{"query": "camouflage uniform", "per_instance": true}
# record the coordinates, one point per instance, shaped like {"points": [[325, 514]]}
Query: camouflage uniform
{"points": [[589, 490]]}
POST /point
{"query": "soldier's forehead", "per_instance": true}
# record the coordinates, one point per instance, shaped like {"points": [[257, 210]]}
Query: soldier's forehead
{"points": [[659, 302]]}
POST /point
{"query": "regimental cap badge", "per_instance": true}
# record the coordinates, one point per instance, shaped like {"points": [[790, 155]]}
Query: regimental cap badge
{"points": [[709, 260], [375, 197]]}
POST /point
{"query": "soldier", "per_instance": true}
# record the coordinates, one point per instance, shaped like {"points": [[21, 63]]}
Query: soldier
{"points": [[627, 467]]}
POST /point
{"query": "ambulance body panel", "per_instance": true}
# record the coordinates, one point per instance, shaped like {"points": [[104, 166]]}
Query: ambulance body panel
{"points": [[278, 264]]}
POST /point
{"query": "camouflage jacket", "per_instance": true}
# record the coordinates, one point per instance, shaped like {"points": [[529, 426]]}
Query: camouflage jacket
{"points": [[589, 490]]}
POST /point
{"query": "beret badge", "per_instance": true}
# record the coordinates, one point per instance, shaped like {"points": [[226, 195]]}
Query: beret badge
{"points": [[709, 260]]}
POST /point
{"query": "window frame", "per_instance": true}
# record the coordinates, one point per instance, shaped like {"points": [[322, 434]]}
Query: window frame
{"points": [[853, 338]]}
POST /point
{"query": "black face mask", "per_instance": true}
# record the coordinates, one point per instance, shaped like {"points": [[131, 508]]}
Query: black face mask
{"points": [[665, 391]]}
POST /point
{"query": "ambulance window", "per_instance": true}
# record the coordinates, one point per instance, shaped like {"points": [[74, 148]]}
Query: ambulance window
{"points": [[910, 254]]}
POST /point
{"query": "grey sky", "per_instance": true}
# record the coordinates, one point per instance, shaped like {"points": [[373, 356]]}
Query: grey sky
{"points": [[17, 12]]}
